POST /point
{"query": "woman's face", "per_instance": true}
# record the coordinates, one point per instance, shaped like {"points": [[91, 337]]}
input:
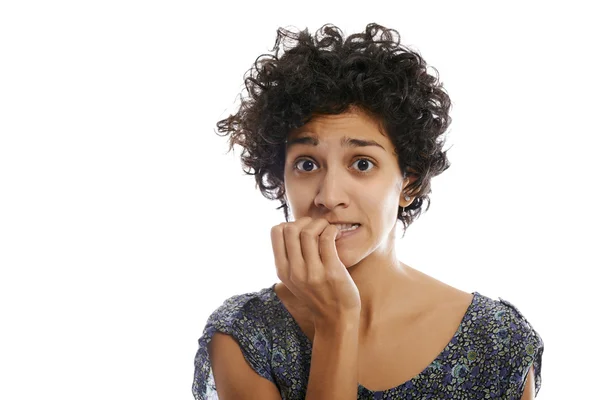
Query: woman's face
{"points": [[342, 168]]}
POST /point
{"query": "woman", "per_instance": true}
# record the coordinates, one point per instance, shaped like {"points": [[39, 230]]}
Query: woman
{"points": [[347, 134]]}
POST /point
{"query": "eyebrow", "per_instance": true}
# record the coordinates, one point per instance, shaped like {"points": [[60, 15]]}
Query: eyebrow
{"points": [[344, 142]]}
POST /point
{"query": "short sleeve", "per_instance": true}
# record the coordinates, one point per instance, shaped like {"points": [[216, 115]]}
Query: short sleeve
{"points": [[238, 316], [526, 349]]}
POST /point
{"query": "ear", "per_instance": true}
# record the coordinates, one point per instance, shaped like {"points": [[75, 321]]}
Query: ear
{"points": [[402, 201]]}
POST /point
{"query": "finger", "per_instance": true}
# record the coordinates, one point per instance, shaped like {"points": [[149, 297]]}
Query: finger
{"points": [[329, 255], [279, 252], [309, 240], [291, 236]]}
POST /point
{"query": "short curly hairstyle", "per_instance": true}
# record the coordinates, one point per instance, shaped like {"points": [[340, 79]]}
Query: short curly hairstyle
{"points": [[329, 74]]}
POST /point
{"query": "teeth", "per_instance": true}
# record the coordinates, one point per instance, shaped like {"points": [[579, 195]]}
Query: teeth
{"points": [[346, 227]]}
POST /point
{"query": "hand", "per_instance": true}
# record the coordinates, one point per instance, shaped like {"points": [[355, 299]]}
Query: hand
{"points": [[308, 265]]}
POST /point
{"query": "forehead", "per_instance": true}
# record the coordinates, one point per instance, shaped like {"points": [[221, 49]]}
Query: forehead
{"points": [[351, 129]]}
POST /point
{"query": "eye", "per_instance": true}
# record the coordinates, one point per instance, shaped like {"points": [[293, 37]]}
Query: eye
{"points": [[363, 162], [305, 163], [308, 165]]}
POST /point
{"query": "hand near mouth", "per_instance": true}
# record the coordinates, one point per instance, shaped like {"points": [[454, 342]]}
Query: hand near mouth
{"points": [[308, 265]]}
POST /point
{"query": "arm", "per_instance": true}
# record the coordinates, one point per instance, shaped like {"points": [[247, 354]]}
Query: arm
{"points": [[234, 378], [529, 392], [334, 363]]}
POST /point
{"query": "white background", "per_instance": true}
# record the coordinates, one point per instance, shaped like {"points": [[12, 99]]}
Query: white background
{"points": [[124, 223]]}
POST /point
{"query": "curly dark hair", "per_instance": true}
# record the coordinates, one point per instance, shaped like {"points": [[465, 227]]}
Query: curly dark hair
{"points": [[329, 74]]}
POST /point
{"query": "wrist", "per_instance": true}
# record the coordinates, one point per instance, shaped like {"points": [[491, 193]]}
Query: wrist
{"points": [[339, 324]]}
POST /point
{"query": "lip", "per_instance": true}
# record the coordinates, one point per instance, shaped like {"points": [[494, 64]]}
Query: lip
{"points": [[346, 234]]}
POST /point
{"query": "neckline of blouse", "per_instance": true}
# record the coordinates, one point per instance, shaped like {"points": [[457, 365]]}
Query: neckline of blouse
{"points": [[361, 388]]}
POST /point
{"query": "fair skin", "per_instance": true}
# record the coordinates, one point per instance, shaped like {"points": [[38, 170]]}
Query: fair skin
{"points": [[330, 281], [338, 286], [325, 181], [357, 281]]}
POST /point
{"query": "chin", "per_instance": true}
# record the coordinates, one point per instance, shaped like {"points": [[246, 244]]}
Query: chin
{"points": [[349, 260]]}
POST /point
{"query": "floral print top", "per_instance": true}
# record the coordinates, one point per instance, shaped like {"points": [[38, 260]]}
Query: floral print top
{"points": [[488, 357]]}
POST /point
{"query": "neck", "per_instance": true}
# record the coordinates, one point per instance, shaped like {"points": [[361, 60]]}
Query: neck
{"points": [[389, 289]]}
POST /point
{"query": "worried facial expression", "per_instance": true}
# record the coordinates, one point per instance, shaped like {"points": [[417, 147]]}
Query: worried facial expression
{"points": [[343, 168]]}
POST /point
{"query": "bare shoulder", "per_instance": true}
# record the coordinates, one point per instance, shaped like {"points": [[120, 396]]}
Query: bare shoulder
{"points": [[441, 297]]}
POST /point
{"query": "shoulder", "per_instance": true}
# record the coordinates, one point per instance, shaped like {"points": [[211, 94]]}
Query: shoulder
{"points": [[512, 344], [244, 317], [247, 317], [242, 309], [506, 320]]}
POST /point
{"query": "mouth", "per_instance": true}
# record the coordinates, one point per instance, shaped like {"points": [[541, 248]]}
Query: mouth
{"points": [[347, 227], [346, 230]]}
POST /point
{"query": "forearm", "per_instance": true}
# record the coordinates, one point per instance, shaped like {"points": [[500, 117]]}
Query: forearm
{"points": [[334, 363]]}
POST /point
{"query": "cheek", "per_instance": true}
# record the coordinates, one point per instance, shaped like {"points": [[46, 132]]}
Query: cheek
{"points": [[298, 195], [385, 202]]}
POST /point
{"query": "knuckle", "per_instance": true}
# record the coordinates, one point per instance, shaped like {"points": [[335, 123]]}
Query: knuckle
{"points": [[295, 279], [333, 277], [281, 276], [289, 229], [280, 265], [314, 281], [307, 233]]}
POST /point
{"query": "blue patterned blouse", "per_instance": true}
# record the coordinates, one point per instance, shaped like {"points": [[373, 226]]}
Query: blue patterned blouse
{"points": [[488, 357]]}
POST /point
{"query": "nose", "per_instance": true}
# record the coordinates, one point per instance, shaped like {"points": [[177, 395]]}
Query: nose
{"points": [[331, 192]]}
